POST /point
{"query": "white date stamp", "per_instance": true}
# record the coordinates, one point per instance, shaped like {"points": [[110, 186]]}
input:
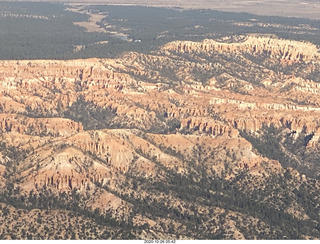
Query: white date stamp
{"points": [[159, 241]]}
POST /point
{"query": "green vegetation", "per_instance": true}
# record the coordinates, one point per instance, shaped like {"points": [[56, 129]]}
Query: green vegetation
{"points": [[290, 153], [192, 191], [46, 31], [41, 31], [91, 116], [268, 144]]}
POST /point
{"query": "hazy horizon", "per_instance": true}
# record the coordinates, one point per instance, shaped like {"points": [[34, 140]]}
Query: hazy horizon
{"points": [[285, 8]]}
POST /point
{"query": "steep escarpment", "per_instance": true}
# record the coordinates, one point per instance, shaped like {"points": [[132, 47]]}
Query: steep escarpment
{"points": [[255, 45], [38, 126]]}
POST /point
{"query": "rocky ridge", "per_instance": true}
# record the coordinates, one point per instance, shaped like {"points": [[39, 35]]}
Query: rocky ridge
{"points": [[276, 48]]}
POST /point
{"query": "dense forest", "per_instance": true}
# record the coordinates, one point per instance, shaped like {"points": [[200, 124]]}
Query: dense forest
{"points": [[47, 31]]}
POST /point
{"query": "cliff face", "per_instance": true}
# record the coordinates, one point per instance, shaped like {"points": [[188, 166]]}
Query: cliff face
{"points": [[32, 71], [38, 126], [293, 51]]}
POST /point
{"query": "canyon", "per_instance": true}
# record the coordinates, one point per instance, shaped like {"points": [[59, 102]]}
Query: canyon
{"points": [[113, 138]]}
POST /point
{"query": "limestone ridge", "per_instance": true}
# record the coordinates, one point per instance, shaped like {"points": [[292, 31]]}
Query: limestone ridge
{"points": [[277, 48], [38, 126]]}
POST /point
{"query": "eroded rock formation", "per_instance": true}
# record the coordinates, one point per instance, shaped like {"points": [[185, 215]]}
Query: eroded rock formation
{"points": [[255, 45], [99, 126]]}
